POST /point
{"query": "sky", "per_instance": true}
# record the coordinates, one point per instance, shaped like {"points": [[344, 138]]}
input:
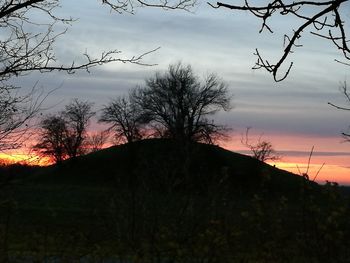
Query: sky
{"points": [[293, 115]]}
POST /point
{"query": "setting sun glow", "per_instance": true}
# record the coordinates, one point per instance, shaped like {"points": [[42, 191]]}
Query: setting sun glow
{"points": [[21, 158], [329, 161]]}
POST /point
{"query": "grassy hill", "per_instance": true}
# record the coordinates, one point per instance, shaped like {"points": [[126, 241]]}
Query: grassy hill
{"points": [[155, 200]]}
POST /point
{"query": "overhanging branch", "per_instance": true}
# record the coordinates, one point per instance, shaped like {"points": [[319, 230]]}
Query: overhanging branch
{"points": [[325, 17]]}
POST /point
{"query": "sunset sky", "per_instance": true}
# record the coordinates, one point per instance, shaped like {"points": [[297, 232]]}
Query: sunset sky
{"points": [[293, 115]]}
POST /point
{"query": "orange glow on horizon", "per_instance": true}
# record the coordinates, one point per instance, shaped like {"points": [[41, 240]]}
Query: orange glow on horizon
{"points": [[328, 151], [22, 158], [294, 150], [317, 172]]}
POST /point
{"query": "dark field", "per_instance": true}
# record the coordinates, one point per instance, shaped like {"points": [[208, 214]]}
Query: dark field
{"points": [[154, 201]]}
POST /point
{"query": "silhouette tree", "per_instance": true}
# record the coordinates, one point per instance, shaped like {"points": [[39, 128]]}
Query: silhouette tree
{"points": [[324, 19], [63, 135], [96, 141], [76, 115], [125, 118], [261, 150], [52, 135], [178, 103]]}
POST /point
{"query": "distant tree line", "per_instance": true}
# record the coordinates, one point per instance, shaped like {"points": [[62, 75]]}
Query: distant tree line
{"points": [[175, 104]]}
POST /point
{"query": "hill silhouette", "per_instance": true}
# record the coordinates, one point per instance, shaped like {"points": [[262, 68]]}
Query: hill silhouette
{"points": [[163, 164], [155, 199]]}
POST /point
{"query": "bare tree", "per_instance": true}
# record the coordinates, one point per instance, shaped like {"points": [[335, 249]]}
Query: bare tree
{"points": [[76, 115], [96, 141], [261, 150], [344, 90], [125, 118], [180, 104], [52, 134], [62, 136], [323, 19]]}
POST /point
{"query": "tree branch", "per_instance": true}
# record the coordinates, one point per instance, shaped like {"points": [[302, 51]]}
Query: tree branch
{"points": [[318, 20], [128, 6]]}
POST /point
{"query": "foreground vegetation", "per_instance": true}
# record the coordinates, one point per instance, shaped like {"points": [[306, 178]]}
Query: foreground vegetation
{"points": [[154, 201]]}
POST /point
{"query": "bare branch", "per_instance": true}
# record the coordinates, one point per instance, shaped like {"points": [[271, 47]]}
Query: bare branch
{"points": [[17, 111], [325, 16], [125, 118], [128, 6], [305, 174], [344, 91], [346, 94], [262, 150]]}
